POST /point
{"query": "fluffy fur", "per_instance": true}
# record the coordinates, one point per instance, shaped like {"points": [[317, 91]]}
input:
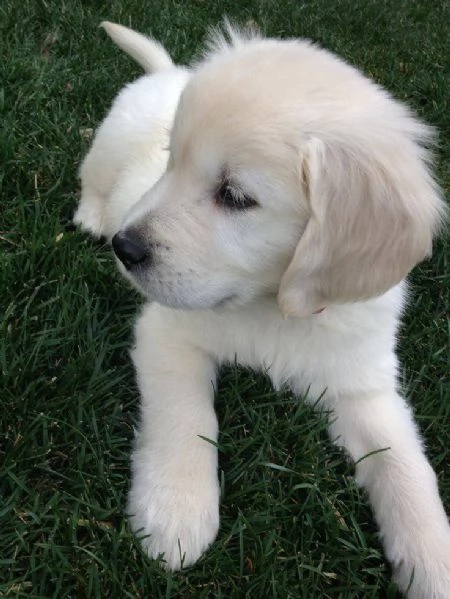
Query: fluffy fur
{"points": [[307, 284], [130, 149]]}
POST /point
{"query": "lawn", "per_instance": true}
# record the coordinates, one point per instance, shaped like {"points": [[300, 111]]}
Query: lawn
{"points": [[293, 522]]}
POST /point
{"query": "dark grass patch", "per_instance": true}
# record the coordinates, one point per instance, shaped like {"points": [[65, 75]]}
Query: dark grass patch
{"points": [[293, 523]]}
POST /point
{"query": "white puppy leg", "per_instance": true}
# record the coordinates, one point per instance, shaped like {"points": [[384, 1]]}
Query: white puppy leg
{"points": [[402, 488], [174, 497]]}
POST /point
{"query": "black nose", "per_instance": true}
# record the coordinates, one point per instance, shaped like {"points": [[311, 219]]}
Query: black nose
{"points": [[129, 249]]}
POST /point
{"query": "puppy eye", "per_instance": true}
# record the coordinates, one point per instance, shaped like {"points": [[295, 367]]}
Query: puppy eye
{"points": [[232, 198]]}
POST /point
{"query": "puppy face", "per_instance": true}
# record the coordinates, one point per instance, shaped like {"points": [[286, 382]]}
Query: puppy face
{"points": [[225, 222], [289, 173]]}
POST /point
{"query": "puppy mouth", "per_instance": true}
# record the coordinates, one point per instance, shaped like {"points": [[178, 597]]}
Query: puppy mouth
{"points": [[136, 259], [165, 294], [226, 301]]}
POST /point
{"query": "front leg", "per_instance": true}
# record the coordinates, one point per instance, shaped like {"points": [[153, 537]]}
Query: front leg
{"points": [[174, 496], [402, 489]]}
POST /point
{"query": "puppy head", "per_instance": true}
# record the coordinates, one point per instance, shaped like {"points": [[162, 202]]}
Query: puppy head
{"points": [[289, 173]]}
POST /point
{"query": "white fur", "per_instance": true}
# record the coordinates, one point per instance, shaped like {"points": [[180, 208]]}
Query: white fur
{"points": [[347, 206], [130, 149], [146, 51]]}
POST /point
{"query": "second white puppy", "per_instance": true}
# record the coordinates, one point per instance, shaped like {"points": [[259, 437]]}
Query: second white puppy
{"points": [[129, 152]]}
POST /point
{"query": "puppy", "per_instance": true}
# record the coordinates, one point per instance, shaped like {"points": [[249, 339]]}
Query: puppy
{"points": [[297, 197], [130, 149]]}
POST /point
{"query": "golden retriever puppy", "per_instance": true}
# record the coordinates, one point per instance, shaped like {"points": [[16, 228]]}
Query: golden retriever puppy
{"points": [[296, 199], [130, 148]]}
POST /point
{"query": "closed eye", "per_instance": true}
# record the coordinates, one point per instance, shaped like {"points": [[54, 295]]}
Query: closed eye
{"points": [[232, 198]]}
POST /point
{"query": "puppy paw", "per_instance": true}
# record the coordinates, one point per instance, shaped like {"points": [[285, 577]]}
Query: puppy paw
{"points": [[176, 520], [89, 216], [426, 576]]}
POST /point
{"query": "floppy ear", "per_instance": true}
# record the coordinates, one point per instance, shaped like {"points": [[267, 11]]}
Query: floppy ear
{"points": [[374, 210]]}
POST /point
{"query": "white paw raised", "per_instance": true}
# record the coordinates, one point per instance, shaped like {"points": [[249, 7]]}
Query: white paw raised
{"points": [[175, 518]]}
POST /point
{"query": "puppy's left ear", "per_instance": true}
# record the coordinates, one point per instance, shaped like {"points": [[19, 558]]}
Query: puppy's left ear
{"points": [[374, 210]]}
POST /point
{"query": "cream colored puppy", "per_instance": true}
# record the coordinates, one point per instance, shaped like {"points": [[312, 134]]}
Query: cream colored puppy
{"points": [[130, 149], [297, 198]]}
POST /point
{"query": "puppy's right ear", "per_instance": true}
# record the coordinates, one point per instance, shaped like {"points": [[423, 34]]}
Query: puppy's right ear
{"points": [[374, 209]]}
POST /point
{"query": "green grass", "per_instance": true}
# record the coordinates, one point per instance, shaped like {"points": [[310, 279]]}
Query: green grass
{"points": [[293, 523]]}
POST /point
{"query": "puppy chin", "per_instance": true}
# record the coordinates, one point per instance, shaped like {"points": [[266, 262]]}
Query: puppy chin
{"points": [[166, 295], [182, 298], [196, 302]]}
